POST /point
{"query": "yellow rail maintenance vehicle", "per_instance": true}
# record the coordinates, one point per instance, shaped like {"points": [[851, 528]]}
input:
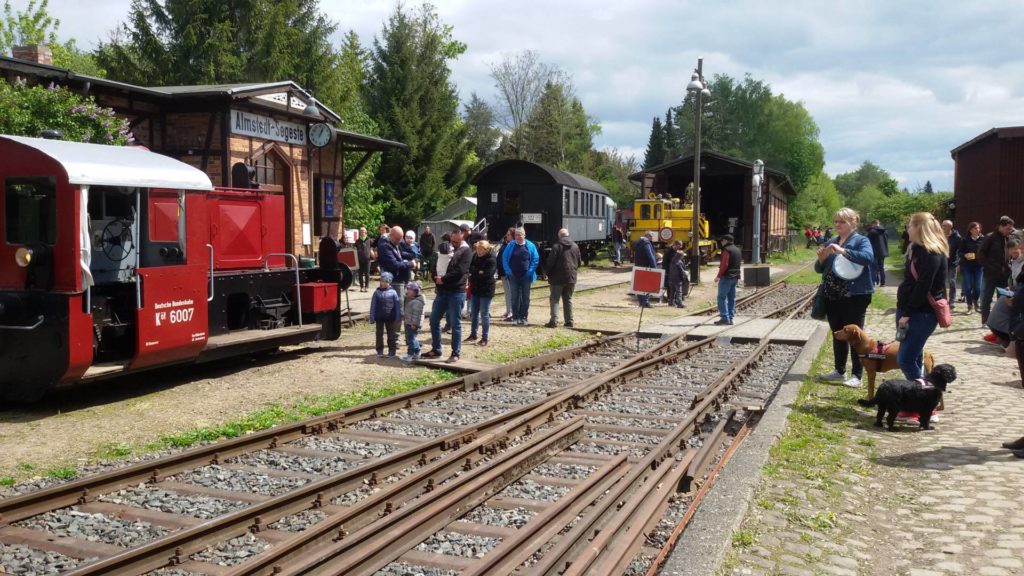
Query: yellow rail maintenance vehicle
{"points": [[670, 221]]}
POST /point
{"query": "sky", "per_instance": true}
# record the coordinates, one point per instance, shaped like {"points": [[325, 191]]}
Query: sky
{"points": [[899, 83]]}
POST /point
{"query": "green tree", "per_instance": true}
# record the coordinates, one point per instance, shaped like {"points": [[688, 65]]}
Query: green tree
{"points": [[673, 144], [364, 198], [520, 79], [34, 25], [867, 174], [748, 121], [481, 130], [656, 151], [612, 169], [815, 204], [179, 42], [928, 188], [410, 95], [28, 110]]}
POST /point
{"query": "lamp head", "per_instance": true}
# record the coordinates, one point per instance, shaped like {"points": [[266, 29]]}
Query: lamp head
{"points": [[311, 109]]}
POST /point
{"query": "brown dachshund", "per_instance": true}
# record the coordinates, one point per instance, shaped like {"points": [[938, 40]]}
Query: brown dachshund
{"points": [[863, 345]]}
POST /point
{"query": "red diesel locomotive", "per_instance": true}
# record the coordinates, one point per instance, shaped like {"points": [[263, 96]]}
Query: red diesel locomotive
{"points": [[117, 259]]}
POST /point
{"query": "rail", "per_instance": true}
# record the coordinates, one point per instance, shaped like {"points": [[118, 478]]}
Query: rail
{"points": [[298, 281]]}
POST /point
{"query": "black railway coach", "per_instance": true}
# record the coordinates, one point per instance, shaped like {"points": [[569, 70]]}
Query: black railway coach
{"points": [[542, 200]]}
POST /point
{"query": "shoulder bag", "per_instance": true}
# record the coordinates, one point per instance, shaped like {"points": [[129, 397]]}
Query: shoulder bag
{"points": [[939, 305]]}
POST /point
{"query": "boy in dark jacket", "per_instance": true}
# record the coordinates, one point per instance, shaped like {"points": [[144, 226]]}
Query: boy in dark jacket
{"points": [[412, 314], [386, 313], [678, 279]]}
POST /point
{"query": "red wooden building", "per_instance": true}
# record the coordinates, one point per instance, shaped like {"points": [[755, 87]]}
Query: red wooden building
{"points": [[988, 178]]}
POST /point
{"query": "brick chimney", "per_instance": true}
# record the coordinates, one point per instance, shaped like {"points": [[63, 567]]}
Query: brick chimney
{"points": [[38, 53]]}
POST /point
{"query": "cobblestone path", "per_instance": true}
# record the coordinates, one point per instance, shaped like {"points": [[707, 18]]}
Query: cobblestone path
{"points": [[934, 503]]}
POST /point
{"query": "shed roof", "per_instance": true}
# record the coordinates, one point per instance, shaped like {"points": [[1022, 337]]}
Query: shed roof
{"points": [[1004, 132], [638, 176], [559, 176], [99, 165], [284, 94]]}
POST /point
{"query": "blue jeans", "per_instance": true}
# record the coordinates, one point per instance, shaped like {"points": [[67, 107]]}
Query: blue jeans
{"points": [[971, 284], [727, 297], [878, 270], [447, 304], [412, 345], [480, 310], [988, 289], [520, 297], [618, 252], [910, 356]]}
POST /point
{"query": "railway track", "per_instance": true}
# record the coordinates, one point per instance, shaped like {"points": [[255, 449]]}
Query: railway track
{"points": [[514, 469]]}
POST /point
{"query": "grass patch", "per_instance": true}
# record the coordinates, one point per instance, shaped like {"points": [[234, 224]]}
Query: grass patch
{"points": [[114, 451], [805, 276], [63, 472], [305, 408], [766, 503], [553, 343], [883, 302], [815, 444], [798, 254], [743, 538], [25, 467], [6, 481]]}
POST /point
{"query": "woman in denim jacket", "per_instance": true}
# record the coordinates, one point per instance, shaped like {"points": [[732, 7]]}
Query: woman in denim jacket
{"points": [[846, 301]]}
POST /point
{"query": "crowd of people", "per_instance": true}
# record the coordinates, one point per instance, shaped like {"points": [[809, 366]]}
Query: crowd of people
{"points": [[991, 284], [464, 268], [817, 235]]}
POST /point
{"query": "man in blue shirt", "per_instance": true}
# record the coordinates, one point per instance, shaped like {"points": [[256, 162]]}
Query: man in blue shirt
{"points": [[520, 262]]}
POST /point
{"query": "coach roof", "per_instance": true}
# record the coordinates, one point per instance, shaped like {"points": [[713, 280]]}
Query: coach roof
{"points": [[99, 165], [559, 176]]}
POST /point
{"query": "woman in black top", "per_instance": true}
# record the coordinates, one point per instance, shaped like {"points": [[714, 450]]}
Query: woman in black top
{"points": [[924, 273], [481, 289], [970, 265]]}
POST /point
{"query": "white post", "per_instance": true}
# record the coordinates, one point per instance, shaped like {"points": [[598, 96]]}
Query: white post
{"points": [[755, 194]]}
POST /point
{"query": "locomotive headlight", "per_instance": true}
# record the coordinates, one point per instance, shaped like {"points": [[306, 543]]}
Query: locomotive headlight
{"points": [[23, 257]]}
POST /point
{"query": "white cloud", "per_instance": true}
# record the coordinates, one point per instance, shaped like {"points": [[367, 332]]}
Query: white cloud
{"points": [[897, 83]]}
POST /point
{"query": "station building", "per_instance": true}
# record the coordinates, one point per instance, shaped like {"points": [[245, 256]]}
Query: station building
{"points": [[726, 198], [988, 178], [292, 142]]}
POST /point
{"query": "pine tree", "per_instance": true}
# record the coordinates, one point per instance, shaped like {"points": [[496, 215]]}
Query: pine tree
{"points": [[928, 187], [673, 145], [655, 145], [413, 100]]}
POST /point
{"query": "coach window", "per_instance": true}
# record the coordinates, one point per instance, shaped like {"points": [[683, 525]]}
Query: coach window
{"points": [[565, 201], [575, 202], [30, 210]]}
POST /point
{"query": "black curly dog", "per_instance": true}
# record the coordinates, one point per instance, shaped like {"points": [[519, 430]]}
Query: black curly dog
{"points": [[894, 396]]}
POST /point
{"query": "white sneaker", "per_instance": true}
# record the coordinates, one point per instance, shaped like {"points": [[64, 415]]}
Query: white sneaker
{"points": [[853, 382], [833, 377], [406, 358]]}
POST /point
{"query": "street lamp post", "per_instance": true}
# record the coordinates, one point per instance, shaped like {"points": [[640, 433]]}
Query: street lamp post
{"points": [[700, 90]]}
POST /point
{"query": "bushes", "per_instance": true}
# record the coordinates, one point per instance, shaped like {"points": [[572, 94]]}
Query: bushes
{"points": [[28, 110]]}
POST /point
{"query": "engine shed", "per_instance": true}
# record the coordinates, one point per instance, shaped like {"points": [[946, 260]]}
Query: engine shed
{"points": [[726, 198], [284, 140]]}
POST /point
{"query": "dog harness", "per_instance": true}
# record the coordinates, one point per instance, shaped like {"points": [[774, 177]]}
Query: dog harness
{"points": [[925, 384], [878, 354]]}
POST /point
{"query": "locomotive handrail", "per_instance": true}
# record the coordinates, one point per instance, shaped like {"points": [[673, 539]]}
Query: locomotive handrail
{"points": [[298, 288], [39, 322], [210, 297]]}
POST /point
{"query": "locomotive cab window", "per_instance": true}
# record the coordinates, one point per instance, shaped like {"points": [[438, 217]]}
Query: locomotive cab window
{"points": [[657, 211], [645, 211], [30, 210]]}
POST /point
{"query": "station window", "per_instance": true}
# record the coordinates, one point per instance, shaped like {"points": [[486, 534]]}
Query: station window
{"points": [[30, 210]]}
